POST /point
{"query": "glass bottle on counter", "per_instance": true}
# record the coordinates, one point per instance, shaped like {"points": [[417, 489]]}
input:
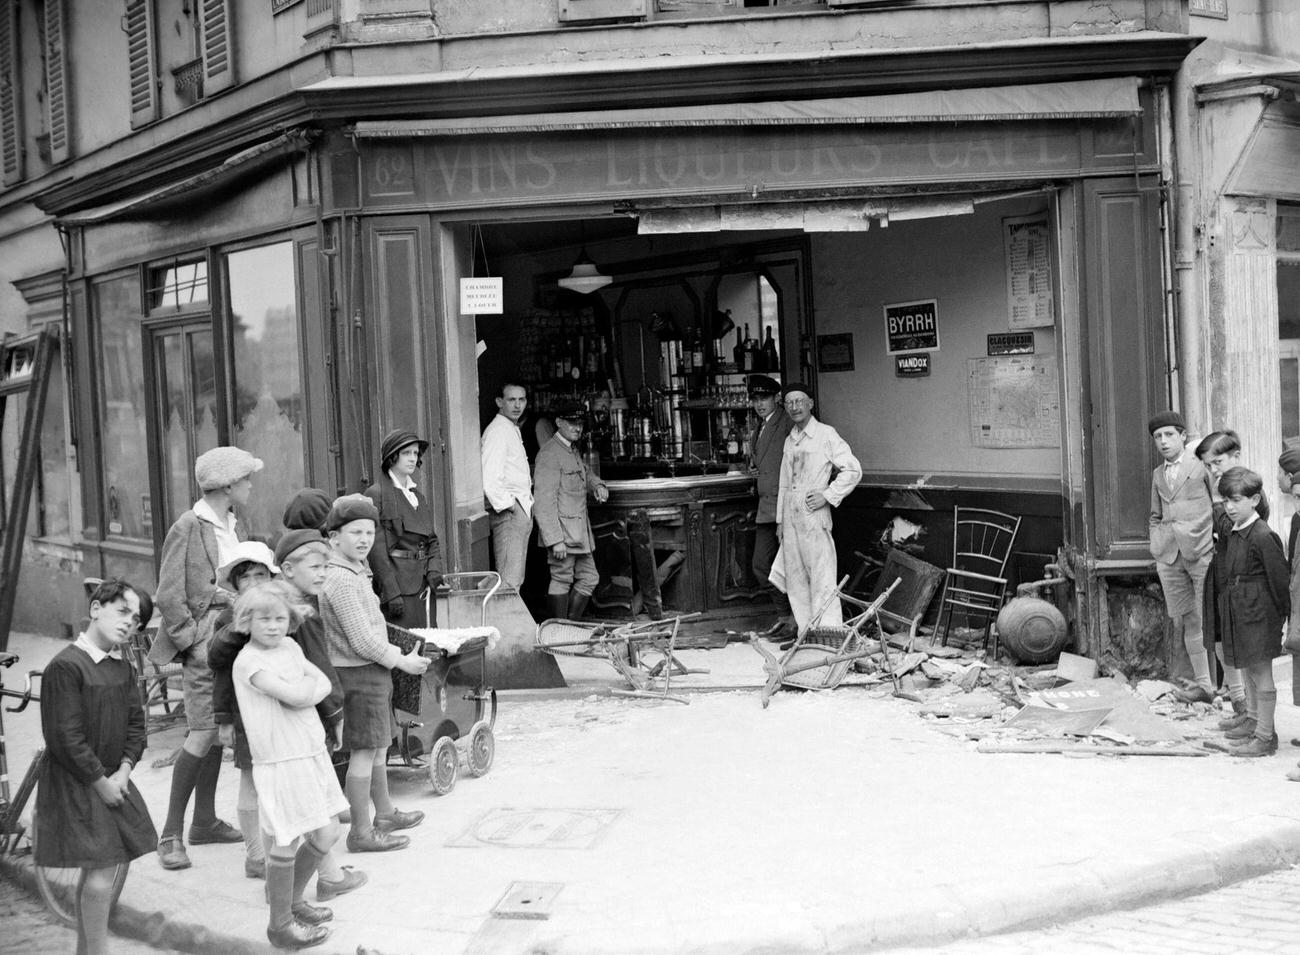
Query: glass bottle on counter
{"points": [[771, 360], [733, 444]]}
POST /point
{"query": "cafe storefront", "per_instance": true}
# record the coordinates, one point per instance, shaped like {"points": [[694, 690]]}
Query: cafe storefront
{"points": [[970, 280]]}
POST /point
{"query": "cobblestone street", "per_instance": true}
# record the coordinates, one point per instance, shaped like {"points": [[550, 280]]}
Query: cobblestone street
{"points": [[1255, 916]]}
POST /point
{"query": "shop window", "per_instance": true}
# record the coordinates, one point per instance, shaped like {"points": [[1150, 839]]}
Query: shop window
{"points": [[123, 409], [184, 372], [269, 415]]}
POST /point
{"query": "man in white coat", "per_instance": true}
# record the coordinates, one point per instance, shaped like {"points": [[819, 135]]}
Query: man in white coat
{"points": [[508, 485], [818, 470]]}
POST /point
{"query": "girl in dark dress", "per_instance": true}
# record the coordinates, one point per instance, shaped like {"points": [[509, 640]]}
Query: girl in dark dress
{"points": [[89, 815], [406, 558]]}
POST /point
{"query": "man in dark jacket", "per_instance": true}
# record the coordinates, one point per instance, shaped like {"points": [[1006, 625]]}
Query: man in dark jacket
{"points": [[766, 443]]}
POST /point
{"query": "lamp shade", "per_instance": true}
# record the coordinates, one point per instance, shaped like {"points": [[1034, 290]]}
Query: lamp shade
{"points": [[585, 277]]}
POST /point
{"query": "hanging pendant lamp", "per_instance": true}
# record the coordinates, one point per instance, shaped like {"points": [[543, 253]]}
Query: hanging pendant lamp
{"points": [[585, 278]]}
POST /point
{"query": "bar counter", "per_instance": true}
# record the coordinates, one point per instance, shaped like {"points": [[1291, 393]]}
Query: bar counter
{"points": [[676, 544]]}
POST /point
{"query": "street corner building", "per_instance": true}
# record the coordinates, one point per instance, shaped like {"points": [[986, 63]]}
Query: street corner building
{"points": [[993, 237]]}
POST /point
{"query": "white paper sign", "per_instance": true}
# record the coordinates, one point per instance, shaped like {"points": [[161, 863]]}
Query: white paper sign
{"points": [[482, 296]]}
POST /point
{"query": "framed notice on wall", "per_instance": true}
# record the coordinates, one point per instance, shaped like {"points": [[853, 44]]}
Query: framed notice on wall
{"points": [[835, 352], [1027, 244]]}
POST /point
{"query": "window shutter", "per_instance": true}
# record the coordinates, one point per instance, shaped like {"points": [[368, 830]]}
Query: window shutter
{"points": [[142, 61], [11, 100], [56, 81], [218, 46]]}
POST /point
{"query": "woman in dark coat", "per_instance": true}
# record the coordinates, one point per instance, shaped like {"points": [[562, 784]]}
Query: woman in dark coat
{"points": [[406, 558], [89, 815]]}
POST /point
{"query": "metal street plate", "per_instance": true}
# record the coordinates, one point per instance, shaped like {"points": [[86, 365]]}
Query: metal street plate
{"points": [[527, 900], [536, 829]]}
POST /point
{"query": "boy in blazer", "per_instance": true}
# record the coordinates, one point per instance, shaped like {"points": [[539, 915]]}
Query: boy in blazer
{"points": [[202, 540], [766, 445], [561, 482], [1182, 540]]}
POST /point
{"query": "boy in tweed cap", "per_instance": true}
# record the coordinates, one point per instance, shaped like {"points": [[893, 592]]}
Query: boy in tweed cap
{"points": [[202, 540]]}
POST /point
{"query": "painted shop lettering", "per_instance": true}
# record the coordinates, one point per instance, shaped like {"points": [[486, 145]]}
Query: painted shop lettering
{"points": [[478, 168]]}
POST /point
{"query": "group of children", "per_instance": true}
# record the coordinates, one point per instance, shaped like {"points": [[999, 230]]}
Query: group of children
{"points": [[1228, 583], [284, 657]]}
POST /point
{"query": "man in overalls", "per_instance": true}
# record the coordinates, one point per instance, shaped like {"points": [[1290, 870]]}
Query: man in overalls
{"points": [[818, 470]]}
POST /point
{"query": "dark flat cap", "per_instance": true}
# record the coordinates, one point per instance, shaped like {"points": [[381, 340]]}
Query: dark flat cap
{"points": [[570, 409], [798, 386], [349, 508], [1167, 419], [291, 541], [309, 508], [763, 385]]}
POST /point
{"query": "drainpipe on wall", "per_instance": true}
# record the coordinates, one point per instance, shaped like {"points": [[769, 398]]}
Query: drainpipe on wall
{"points": [[1187, 384]]}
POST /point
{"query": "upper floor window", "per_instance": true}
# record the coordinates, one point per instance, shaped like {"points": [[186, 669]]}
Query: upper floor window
{"points": [[178, 286]]}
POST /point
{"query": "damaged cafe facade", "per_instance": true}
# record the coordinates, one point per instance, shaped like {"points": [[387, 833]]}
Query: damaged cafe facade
{"points": [[971, 276]]}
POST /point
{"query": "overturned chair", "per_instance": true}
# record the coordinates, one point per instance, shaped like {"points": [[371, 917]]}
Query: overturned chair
{"points": [[821, 656]]}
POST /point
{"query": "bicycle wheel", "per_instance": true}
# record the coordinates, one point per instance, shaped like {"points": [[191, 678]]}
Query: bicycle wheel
{"points": [[58, 885], [11, 833]]}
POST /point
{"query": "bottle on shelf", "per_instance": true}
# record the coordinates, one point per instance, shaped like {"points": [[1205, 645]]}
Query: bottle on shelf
{"points": [[688, 355], [771, 360], [557, 361], [575, 362], [749, 352], [733, 444], [697, 352], [738, 353]]}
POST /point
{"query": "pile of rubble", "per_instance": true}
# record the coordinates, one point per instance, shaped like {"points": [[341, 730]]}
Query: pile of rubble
{"points": [[1055, 708]]}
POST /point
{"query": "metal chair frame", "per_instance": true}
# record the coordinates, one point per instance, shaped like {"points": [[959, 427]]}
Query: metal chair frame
{"points": [[976, 583]]}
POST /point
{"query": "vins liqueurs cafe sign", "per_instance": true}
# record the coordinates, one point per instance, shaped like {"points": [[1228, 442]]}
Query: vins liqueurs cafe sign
{"points": [[912, 326]]}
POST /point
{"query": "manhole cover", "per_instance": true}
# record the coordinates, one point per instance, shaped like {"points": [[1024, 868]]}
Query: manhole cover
{"points": [[537, 828]]}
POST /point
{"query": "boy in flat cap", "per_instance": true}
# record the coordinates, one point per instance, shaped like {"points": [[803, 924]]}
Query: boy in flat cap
{"points": [[818, 471], [561, 482], [1182, 541], [202, 540], [766, 447], [357, 637]]}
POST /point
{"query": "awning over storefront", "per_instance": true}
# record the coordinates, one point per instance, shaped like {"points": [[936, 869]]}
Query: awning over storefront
{"points": [[1088, 99], [235, 167]]}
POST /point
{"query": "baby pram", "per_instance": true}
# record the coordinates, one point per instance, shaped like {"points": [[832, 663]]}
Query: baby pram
{"points": [[440, 715], [821, 656]]}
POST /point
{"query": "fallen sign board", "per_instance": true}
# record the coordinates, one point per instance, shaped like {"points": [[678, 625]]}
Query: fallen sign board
{"points": [[1049, 721], [1129, 712]]}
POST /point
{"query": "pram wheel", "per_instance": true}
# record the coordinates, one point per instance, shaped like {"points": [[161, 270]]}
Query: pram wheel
{"points": [[482, 747], [444, 766]]}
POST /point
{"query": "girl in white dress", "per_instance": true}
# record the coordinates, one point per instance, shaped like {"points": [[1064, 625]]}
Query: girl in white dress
{"points": [[298, 794]]}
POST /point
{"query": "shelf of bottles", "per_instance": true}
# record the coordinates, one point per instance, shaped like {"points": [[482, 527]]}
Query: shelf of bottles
{"points": [[693, 412], [699, 415]]}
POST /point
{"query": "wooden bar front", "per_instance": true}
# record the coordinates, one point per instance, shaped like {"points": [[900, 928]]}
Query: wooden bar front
{"points": [[677, 545]]}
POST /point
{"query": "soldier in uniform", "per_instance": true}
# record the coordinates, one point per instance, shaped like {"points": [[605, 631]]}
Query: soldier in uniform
{"points": [[561, 483]]}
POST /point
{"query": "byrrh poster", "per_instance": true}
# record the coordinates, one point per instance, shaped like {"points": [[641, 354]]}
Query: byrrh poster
{"points": [[1026, 240]]}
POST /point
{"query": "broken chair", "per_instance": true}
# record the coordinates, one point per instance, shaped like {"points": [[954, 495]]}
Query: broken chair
{"points": [[644, 654], [821, 656]]}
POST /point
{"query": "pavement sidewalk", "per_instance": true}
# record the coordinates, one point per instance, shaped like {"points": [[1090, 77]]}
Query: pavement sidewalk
{"points": [[828, 822]]}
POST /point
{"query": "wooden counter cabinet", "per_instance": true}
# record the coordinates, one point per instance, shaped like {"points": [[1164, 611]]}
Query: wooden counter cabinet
{"points": [[677, 545]]}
